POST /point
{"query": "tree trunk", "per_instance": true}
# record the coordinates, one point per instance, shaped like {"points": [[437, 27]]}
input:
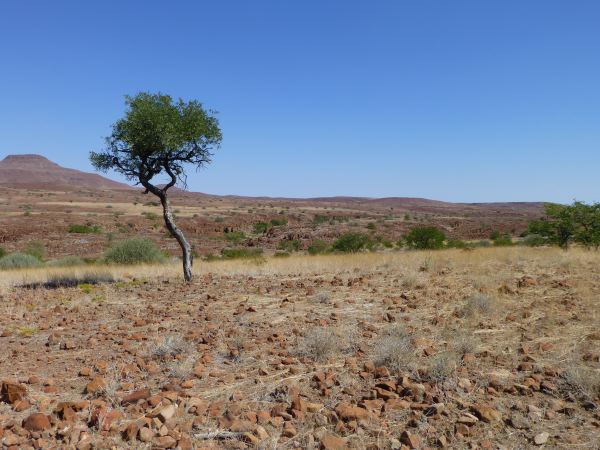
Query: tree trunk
{"points": [[186, 249]]}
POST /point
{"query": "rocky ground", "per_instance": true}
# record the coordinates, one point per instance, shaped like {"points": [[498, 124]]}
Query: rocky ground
{"points": [[492, 348]]}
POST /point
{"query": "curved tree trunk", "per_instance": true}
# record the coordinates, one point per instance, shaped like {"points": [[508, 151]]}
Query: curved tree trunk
{"points": [[186, 248]]}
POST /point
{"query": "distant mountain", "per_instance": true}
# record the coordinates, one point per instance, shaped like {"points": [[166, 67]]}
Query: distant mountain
{"points": [[36, 171]]}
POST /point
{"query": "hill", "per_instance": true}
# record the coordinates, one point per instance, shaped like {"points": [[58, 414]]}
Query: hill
{"points": [[36, 171]]}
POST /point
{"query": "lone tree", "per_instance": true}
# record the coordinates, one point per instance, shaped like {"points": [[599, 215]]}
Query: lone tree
{"points": [[159, 136]]}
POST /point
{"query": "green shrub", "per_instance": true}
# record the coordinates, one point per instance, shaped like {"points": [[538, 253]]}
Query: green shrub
{"points": [[150, 215], [2, 252], [234, 253], [425, 238], [289, 245], [134, 251], [279, 222], [502, 240], [84, 229], [534, 240], [456, 243], [235, 237], [19, 261], [281, 254], [37, 249], [66, 262], [371, 226], [318, 247], [352, 242], [318, 219], [260, 227]]}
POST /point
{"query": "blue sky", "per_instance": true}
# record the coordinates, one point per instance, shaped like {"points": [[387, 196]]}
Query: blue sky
{"points": [[450, 100]]}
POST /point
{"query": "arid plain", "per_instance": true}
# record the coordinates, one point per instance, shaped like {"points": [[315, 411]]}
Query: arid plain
{"points": [[477, 348]]}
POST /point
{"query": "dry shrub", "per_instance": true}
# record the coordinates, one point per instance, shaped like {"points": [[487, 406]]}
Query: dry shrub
{"points": [[323, 297], [464, 342], [581, 382], [479, 304], [320, 344], [394, 349], [442, 366], [170, 346]]}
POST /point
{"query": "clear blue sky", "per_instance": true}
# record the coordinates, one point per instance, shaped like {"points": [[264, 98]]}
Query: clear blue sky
{"points": [[451, 100]]}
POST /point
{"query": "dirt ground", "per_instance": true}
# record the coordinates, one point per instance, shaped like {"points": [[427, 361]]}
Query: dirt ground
{"points": [[490, 348]]}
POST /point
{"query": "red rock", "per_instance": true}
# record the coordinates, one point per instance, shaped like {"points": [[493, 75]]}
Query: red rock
{"points": [[95, 386], [410, 439], [347, 411], [487, 413], [289, 430], [330, 441], [21, 405], [165, 442], [130, 431], [134, 397], [12, 392], [145, 434], [36, 422]]}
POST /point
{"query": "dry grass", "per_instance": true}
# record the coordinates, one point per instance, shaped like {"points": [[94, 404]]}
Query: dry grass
{"points": [[478, 262]]}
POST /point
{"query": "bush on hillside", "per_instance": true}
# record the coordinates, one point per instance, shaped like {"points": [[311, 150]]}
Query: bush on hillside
{"points": [[352, 243], [260, 227], [234, 253], [456, 243], [19, 261], [534, 240], [425, 238], [235, 237], [84, 229], [66, 262], [279, 222], [288, 245], [318, 247], [134, 251], [502, 240], [37, 249]]}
